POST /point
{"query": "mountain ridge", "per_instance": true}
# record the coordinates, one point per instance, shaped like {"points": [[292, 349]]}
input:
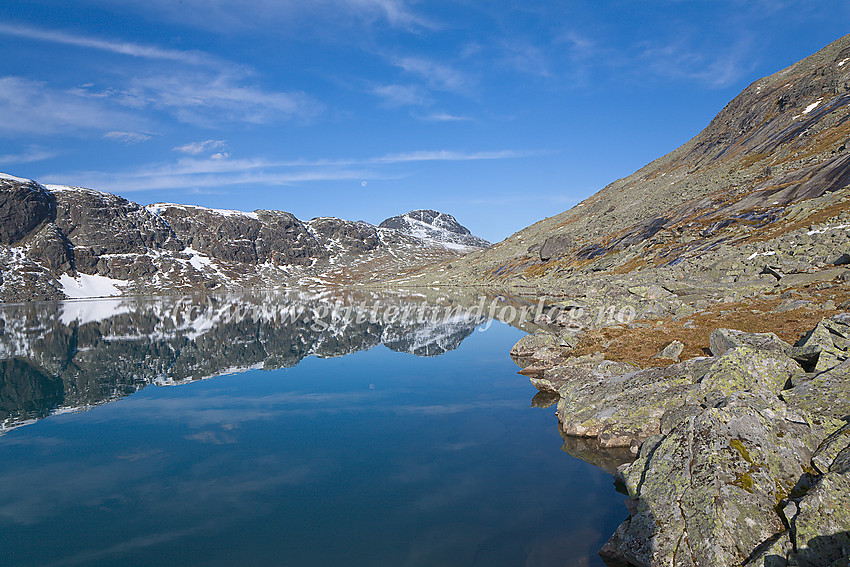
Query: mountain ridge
{"points": [[59, 241]]}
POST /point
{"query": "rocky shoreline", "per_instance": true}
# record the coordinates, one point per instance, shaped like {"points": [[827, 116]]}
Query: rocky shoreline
{"points": [[741, 457]]}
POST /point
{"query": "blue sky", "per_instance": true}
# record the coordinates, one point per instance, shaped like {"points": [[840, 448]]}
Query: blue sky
{"points": [[500, 113]]}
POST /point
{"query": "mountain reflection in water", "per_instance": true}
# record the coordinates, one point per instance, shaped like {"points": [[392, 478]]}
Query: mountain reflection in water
{"points": [[376, 458], [76, 354]]}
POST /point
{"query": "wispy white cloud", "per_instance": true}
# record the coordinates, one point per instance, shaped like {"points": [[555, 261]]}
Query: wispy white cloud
{"points": [[442, 117], [715, 67], [29, 156], [397, 12], [205, 98], [403, 95], [120, 47], [197, 173], [195, 148], [437, 75], [525, 57], [201, 99], [196, 89], [448, 155], [227, 15], [33, 107], [128, 138]]}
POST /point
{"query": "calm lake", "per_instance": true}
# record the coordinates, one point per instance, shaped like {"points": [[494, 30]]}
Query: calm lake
{"points": [[243, 431]]}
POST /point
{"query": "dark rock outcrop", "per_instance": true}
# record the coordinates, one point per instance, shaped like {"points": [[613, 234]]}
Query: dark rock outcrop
{"points": [[351, 236], [23, 207]]}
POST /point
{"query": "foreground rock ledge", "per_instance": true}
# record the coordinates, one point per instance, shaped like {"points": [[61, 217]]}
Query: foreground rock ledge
{"points": [[742, 458]]}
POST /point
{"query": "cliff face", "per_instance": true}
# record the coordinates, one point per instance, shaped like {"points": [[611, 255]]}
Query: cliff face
{"points": [[58, 241], [773, 162]]}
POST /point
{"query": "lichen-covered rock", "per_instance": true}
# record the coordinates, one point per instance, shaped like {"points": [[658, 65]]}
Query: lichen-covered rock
{"points": [[576, 368], [621, 409], [722, 340], [825, 399], [529, 344], [822, 525], [822, 340], [706, 493], [829, 449], [773, 553], [672, 351], [747, 368]]}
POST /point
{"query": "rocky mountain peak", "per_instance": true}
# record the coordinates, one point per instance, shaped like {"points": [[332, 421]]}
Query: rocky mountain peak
{"points": [[429, 224]]}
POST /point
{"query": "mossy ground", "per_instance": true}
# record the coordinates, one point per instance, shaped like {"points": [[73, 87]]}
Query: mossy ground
{"points": [[638, 344]]}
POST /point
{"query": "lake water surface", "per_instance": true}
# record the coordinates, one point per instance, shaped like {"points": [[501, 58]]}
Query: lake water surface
{"points": [[340, 445]]}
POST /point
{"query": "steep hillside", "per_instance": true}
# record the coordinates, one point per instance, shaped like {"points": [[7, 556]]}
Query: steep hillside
{"points": [[58, 241], [766, 183]]}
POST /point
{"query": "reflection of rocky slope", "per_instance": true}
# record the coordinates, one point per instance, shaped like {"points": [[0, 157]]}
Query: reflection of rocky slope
{"points": [[77, 354], [58, 241]]}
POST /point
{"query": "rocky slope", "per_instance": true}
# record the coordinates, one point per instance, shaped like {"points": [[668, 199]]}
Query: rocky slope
{"points": [[59, 241], [698, 324], [740, 434], [759, 195], [742, 456]]}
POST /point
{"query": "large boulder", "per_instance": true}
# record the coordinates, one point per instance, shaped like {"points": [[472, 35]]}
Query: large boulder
{"points": [[825, 399], [821, 526], [705, 493], [623, 409], [747, 368], [555, 246], [722, 340]]}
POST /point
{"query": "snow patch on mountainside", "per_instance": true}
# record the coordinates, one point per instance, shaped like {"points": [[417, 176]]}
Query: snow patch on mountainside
{"points": [[85, 286], [8, 177], [158, 208]]}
